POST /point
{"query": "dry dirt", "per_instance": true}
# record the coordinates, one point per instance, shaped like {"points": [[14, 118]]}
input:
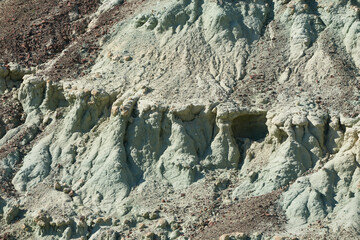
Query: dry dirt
{"points": [[256, 214], [47, 29]]}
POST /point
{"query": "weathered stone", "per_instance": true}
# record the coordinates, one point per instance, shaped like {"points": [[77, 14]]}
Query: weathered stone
{"points": [[67, 190], [224, 237], [153, 216], [162, 223], [239, 236], [58, 186], [103, 221], [149, 236], [66, 234], [71, 193], [277, 237], [42, 219], [174, 234], [127, 58], [11, 212], [141, 226]]}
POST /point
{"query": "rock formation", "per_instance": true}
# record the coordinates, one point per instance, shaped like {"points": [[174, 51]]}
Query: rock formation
{"points": [[190, 119]]}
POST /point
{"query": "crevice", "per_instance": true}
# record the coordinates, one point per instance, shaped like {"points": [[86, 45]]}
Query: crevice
{"points": [[269, 17], [136, 170], [163, 136], [313, 7], [21, 144]]}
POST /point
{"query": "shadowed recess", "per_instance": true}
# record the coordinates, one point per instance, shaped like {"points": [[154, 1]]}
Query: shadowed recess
{"points": [[250, 126]]}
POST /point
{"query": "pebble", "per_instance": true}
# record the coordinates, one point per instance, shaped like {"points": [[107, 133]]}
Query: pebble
{"points": [[149, 236], [57, 186], [25, 227], [71, 193], [175, 226], [10, 213], [127, 58], [256, 236], [174, 234], [67, 190], [240, 236], [235, 235], [224, 237], [142, 226], [276, 237], [103, 221], [146, 215], [153, 216], [162, 223], [127, 222]]}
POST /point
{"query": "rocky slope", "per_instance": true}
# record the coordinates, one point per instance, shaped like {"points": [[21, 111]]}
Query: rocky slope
{"points": [[180, 119]]}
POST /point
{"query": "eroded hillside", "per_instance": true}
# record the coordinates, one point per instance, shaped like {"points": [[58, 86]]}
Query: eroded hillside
{"points": [[180, 119]]}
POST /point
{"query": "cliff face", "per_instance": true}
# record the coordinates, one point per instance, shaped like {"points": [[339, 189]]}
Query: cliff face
{"points": [[182, 120]]}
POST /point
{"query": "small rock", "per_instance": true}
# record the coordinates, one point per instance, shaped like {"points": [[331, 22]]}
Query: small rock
{"points": [[116, 58], [175, 226], [239, 236], [116, 222], [276, 237], [174, 234], [153, 215], [82, 222], [127, 222], [149, 236], [221, 183], [95, 92], [127, 58], [42, 219], [103, 221], [163, 236], [141, 226], [256, 236], [71, 193], [224, 237], [67, 190], [10, 213], [47, 121], [162, 223], [66, 234], [57, 186], [145, 215], [235, 235], [63, 222], [25, 227]]}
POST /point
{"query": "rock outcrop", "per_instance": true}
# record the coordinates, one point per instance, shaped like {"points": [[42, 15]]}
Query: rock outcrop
{"points": [[189, 108]]}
